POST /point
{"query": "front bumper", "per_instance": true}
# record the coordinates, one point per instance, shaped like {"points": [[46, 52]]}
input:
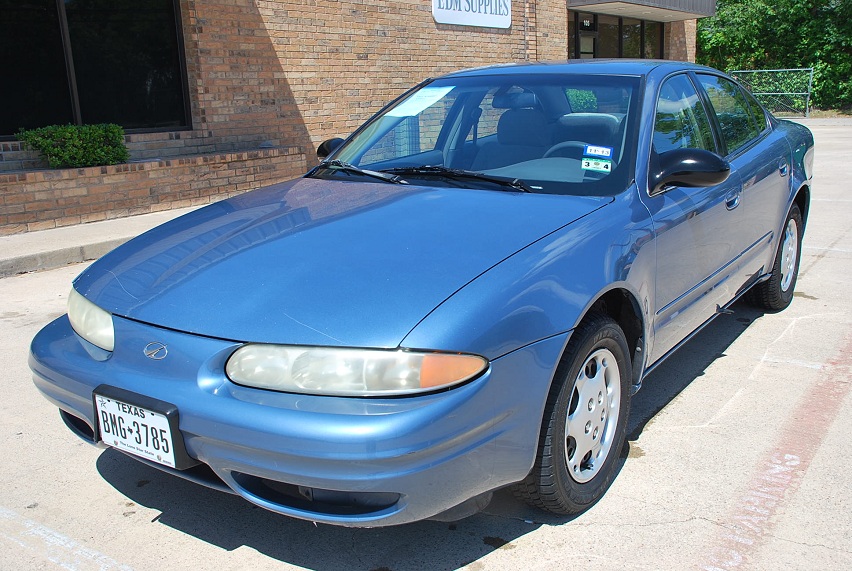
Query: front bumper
{"points": [[344, 461]]}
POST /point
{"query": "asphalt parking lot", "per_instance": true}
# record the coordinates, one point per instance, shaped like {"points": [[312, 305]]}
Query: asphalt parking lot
{"points": [[739, 456]]}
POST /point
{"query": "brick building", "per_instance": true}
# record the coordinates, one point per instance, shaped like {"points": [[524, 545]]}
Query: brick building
{"points": [[220, 96]]}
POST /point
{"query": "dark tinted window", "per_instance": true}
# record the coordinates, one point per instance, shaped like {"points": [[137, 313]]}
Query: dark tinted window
{"points": [[572, 35], [126, 60], [607, 37], [681, 120], [732, 110], [631, 38], [653, 40], [120, 58], [35, 87]]}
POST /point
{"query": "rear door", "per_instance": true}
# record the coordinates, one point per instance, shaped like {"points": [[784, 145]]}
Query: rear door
{"points": [[761, 156]]}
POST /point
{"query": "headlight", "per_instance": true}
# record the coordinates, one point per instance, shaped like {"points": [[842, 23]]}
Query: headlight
{"points": [[349, 372], [90, 321]]}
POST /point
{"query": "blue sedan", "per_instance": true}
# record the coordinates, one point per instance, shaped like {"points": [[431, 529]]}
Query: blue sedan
{"points": [[462, 296]]}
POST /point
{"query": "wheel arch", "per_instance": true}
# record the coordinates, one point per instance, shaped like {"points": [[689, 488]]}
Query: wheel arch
{"points": [[803, 201], [624, 308]]}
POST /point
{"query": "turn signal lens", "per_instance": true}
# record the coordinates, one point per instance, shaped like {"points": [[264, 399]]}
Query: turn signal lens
{"points": [[436, 368], [349, 372], [90, 321]]}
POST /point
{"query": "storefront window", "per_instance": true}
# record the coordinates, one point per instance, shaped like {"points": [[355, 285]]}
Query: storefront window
{"points": [[653, 40], [603, 36], [631, 38], [607, 37], [572, 35], [35, 88], [92, 61]]}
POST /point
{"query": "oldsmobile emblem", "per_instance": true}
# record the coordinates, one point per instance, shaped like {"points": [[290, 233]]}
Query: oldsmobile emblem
{"points": [[156, 350]]}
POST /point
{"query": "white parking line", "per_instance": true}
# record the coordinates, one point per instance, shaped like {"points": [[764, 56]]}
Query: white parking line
{"points": [[52, 546]]}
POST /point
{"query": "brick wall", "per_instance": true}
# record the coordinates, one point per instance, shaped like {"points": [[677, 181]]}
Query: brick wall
{"points": [[679, 40], [14, 156], [343, 60], [551, 30], [42, 199]]}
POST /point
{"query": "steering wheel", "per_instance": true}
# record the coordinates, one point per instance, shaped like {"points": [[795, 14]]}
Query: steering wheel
{"points": [[566, 145]]}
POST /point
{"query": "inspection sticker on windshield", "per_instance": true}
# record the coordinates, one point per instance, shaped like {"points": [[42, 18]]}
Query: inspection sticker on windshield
{"points": [[594, 151], [597, 165], [419, 101]]}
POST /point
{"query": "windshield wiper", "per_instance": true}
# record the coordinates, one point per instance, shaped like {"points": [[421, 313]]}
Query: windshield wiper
{"points": [[459, 174], [348, 168]]}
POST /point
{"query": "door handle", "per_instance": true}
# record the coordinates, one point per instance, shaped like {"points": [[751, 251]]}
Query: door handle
{"points": [[732, 200], [782, 168]]}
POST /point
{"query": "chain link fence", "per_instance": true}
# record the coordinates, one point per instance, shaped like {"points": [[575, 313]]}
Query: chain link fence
{"points": [[785, 92]]}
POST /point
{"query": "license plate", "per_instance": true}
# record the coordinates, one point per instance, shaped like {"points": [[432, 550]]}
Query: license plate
{"points": [[135, 429]]}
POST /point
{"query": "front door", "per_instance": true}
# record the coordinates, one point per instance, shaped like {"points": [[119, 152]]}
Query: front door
{"points": [[695, 245]]}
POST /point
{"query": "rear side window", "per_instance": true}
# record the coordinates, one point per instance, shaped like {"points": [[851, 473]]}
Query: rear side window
{"points": [[757, 113], [681, 121], [732, 110]]}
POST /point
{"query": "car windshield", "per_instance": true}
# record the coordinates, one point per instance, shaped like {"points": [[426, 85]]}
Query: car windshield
{"points": [[547, 133]]}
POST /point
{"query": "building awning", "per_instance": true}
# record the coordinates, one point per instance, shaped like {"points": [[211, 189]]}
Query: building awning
{"points": [[655, 10]]}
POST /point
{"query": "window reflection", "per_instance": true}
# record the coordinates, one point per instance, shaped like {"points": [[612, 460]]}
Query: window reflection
{"points": [[681, 121], [607, 37], [735, 120], [653, 40], [631, 38]]}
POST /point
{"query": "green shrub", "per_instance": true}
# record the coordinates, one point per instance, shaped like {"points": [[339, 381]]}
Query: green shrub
{"points": [[74, 146]]}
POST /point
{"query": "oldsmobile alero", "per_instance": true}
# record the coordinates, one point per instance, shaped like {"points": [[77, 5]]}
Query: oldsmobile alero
{"points": [[462, 296]]}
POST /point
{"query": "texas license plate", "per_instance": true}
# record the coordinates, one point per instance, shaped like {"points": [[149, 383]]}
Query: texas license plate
{"points": [[140, 431]]}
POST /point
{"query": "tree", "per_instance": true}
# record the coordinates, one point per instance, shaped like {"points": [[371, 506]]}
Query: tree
{"points": [[777, 34]]}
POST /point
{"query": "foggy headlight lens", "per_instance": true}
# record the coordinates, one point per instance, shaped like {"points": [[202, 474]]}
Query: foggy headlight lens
{"points": [[90, 321], [349, 372]]}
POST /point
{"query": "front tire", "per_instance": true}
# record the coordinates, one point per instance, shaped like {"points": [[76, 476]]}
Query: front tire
{"points": [[585, 421], [776, 293]]}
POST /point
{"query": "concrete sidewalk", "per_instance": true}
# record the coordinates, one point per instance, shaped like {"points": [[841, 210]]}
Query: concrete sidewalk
{"points": [[48, 249]]}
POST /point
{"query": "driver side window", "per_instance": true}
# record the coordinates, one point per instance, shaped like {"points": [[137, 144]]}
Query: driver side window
{"points": [[681, 120]]}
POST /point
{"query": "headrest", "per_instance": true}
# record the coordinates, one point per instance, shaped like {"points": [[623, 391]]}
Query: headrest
{"points": [[526, 127], [594, 128]]}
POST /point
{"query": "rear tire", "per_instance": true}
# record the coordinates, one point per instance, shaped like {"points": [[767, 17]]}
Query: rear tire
{"points": [[585, 421], [776, 293]]}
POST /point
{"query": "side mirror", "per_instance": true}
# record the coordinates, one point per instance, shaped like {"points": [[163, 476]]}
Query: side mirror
{"points": [[687, 167], [328, 147]]}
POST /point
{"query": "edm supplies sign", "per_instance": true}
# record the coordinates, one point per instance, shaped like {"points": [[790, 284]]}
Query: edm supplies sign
{"points": [[482, 13]]}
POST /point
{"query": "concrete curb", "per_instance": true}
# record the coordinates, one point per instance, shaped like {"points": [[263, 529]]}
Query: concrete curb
{"points": [[56, 258], [57, 247]]}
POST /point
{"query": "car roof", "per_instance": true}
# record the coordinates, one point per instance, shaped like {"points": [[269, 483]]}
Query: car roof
{"points": [[639, 67]]}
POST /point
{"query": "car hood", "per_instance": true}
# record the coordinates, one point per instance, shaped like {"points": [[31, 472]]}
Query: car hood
{"points": [[320, 262]]}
